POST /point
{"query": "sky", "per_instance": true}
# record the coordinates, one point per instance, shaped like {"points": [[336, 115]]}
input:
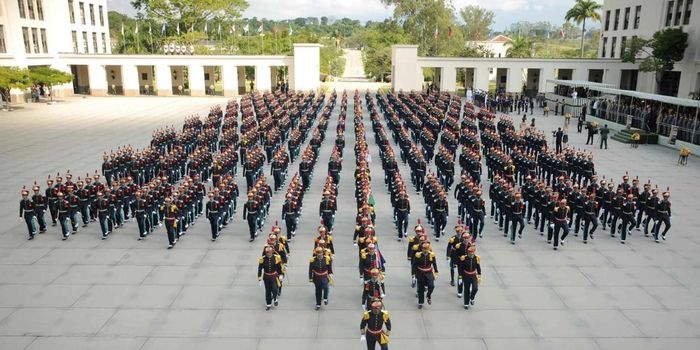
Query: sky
{"points": [[507, 11]]}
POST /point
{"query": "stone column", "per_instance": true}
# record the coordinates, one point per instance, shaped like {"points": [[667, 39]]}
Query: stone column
{"points": [[448, 79], [262, 78], [481, 80], [164, 83], [229, 74], [241, 78], [307, 67], [97, 76], [130, 80], [404, 73], [195, 76]]}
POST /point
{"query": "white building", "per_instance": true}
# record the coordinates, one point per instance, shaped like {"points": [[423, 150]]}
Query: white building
{"points": [[495, 47], [626, 19]]}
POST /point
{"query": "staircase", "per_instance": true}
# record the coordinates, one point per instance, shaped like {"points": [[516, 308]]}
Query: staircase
{"points": [[625, 136]]}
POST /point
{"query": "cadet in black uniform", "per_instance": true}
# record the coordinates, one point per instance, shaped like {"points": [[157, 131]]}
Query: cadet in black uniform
{"points": [[424, 270], [470, 275], [271, 274], [27, 212], [373, 324], [321, 275]]}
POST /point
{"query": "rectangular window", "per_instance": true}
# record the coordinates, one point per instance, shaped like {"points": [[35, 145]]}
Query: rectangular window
{"points": [[104, 43], [688, 9], [605, 45], [71, 11], [75, 41], [679, 13], [27, 45], [44, 47], [102, 16], [623, 42], [35, 40], [3, 48], [637, 14], [22, 10], [669, 13], [94, 42], [82, 12], [607, 20], [617, 19], [612, 47], [92, 14], [30, 8], [40, 9], [86, 45], [626, 24]]}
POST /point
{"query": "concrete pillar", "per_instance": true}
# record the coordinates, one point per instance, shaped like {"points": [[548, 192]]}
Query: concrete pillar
{"points": [[404, 75], [514, 83], [63, 89], [546, 74], [273, 76], [229, 74], [97, 76], [241, 79], [448, 79], [164, 83], [262, 78], [307, 67], [195, 76], [130, 80], [481, 80], [580, 74]]}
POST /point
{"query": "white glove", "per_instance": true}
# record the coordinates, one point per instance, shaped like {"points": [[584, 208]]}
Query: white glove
{"points": [[260, 283], [354, 244], [362, 280], [363, 338], [281, 278], [383, 295]]}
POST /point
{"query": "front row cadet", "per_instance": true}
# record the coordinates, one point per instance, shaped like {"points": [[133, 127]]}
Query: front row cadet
{"points": [[373, 324], [142, 220], [27, 212], [171, 213], [321, 275], [63, 208], [212, 213], [424, 270], [374, 289], [271, 274], [470, 275]]}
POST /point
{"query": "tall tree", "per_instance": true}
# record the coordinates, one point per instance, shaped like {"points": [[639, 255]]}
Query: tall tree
{"points": [[520, 47], [583, 10], [189, 13], [477, 22], [660, 53], [13, 78], [49, 77]]}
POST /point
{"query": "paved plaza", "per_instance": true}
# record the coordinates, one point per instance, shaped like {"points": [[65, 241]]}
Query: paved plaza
{"points": [[120, 293]]}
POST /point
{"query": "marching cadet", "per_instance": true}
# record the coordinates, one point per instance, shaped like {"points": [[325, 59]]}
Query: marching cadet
{"points": [[415, 241], [250, 213], [374, 289], [642, 199], [517, 217], [403, 210], [51, 197], [424, 270], [104, 216], [212, 213], [369, 259], [450, 251], [83, 195], [477, 215], [171, 214], [627, 215], [92, 196], [663, 216], [470, 275], [650, 210], [373, 324], [27, 212], [140, 213], [590, 211], [63, 209], [290, 215], [559, 215], [617, 202], [326, 210], [321, 275], [40, 203], [74, 203], [327, 239], [271, 274]]}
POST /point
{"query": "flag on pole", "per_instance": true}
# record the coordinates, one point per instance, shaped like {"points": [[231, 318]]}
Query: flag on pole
{"points": [[122, 28], [178, 28], [275, 29], [150, 30], [290, 30], [245, 29], [449, 32], [260, 29], [191, 28], [233, 29], [136, 31], [435, 35], [162, 29], [218, 29], [206, 27], [562, 33]]}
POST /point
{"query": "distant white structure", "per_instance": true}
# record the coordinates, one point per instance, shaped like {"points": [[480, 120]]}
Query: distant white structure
{"points": [[495, 47]]}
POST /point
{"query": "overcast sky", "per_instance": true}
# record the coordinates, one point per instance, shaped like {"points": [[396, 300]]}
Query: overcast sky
{"points": [[507, 11]]}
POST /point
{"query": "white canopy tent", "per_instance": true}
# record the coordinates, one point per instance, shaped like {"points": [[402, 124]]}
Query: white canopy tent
{"points": [[579, 83], [685, 102]]}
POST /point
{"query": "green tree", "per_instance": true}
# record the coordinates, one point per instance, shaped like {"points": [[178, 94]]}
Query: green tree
{"points": [[189, 13], [13, 78], [660, 53], [520, 47], [377, 38], [477, 22], [49, 77], [583, 10]]}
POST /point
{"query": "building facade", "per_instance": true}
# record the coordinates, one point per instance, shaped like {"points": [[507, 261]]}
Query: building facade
{"points": [[623, 20]]}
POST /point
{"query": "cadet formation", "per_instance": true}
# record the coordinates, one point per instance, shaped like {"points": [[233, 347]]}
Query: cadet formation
{"points": [[184, 174]]}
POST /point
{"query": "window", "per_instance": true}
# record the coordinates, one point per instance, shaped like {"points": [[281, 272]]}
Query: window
{"points": [[637, 14], [22, 10], [679, 12], [92, 14], [82, 12], [94, 42], [75, 41], [30, 8], [688, 9], [605, 45], [86, 46], [104, 43], [623, 42], [3, 48], [626, 23], [669, 13], [25, 34], [612, 47], [40, 9], [617, 19], [71, 12], [35, 40], [44, 47], [102, 17], [607, 20]]}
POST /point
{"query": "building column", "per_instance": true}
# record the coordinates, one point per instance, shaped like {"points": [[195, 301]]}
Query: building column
{"points": [[97, 76], [307, 67], [262, 78], [514, 82], [130, 80], [164, 83], [448, 79], [481, 80], [195, 76], [241, 78], [546, 74], [229, 74], [404, 75]]}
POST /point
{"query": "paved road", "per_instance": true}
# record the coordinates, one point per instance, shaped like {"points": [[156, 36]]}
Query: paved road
{"points": [[354, 68], [86, 293]]}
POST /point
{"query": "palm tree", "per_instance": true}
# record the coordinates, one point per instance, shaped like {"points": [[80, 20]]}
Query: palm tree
{"points": [[520, 47], [582, 10]]}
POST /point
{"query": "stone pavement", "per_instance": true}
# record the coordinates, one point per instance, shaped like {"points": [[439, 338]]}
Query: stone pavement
{"points": [[123, 294]]}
